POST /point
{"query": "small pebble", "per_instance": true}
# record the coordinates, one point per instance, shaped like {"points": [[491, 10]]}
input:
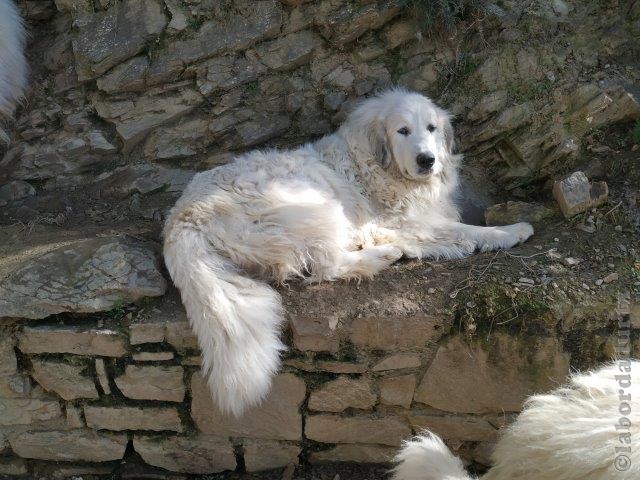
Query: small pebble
{"points": [[556, 239], [599, 282], [612, 277], [571, 262], [618, 228], [431, 291], [586, 228]]}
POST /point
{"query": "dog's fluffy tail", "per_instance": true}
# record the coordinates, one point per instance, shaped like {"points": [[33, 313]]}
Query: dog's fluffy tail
{"points": [[235, 318], [13, 65], [426, 457]]}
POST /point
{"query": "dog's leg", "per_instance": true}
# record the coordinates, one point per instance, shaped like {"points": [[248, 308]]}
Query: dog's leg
{"points": [[456, 240], [491, 238]]}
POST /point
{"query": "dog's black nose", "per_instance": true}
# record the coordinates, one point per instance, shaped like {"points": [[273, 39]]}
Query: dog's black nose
{"points": [[425, 161]]}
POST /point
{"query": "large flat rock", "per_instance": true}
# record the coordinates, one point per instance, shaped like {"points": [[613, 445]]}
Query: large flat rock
{"points": [[69, 446], [200, 455], [493, 376], [277, 418], [107, 38], [77, 275]]}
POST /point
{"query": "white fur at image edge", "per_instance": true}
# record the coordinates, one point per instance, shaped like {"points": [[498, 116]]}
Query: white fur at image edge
{"points": [[567, 434], [13, 65], [343, 207]]}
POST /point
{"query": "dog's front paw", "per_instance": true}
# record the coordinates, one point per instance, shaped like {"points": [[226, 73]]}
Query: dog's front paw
{"points": [[507, 236], [521, 231]]}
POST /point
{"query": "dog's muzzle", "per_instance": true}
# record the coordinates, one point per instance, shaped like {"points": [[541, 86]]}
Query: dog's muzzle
{"points": [[425, 162]]}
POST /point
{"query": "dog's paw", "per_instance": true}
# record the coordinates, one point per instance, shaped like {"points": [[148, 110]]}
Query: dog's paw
{"points": [[388, 253], [521, 231], [507, 236]]}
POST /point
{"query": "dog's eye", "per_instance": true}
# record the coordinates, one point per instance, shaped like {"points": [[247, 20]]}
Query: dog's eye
{"points": [[431, 127], [404, 131]]}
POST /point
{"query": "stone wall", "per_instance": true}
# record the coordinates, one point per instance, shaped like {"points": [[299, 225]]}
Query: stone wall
{"points": [[453, 347], [99, 371]]}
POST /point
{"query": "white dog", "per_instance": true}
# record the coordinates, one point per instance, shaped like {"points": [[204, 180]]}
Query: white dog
{"points": [[344, 207], [13, 65], [588, 430]]}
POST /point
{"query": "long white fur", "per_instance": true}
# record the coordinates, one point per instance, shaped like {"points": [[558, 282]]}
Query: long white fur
{"points": [[346, 206], [13, 64], [568, 434]]}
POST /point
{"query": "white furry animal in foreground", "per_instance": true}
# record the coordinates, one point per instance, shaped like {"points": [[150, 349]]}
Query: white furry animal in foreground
{"points": [[588, 430], [344, 207], [13, 65]]}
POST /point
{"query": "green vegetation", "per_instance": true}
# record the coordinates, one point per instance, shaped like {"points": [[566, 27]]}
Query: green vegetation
{"points": [[441, 16], [490, 307]]}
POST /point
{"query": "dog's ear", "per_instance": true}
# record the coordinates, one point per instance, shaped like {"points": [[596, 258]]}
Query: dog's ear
{"points": [[380, 147], [444, 119], [368, 118]]}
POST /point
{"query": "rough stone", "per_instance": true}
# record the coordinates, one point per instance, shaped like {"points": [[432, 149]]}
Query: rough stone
{"points": [[103, 377], [99, 144], [491, 377], [513, 212], [266, 455], [355, 454], [179, 20], [152, 383], [152, 356], [342, 393], [483, 453], [391, 333], [69, 446], [289, 51], [107, 38], [201, 454], [397, 361], [257, 131], [72, 339], [165, 323], [126, 77], [73, 6], [225, 72], [133, 418], [397, 390], [317, 334], [256, 21], [15, 386], [15, 190], [489, 104], [73, 416], [277, 418], [350, 22], [12, 467], [8, 361], [335, 429], [471, 429], [86, 275], [64, 379], [341, 367], [134, 119], [575, 194], [26, 411], [143, 179]]}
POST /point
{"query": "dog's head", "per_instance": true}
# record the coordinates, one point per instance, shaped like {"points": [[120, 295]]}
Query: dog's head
{"points": [[408, 130]]}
